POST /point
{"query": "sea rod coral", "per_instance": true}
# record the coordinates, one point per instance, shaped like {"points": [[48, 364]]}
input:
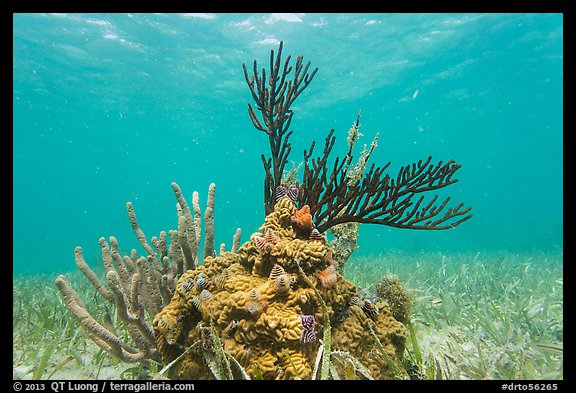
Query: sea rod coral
{"points": [[336, 190], [138, 287]]}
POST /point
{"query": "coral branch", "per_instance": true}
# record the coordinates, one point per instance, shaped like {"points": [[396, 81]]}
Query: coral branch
{"points": [[89, 273], [186, 229], [236, 240], [139, 233], [139, 287], [209, 223], [160, 244], [338, 192], [374, 197], [184, 241], [176, 254], [273, 97], [197, 215], [103, 337]]}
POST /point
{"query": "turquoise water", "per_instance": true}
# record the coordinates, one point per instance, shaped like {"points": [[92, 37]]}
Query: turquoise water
{"points": [[110, 108]]}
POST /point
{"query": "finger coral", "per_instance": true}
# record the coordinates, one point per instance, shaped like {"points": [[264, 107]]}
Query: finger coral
{"points": [[268, 316], [138, 287]]}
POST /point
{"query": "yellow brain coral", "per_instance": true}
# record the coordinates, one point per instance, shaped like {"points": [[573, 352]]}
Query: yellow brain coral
{"points": [[265, 314]]}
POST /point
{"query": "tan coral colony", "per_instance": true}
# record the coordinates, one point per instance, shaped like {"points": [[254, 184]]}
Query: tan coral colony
{"points": [[266, 315]]}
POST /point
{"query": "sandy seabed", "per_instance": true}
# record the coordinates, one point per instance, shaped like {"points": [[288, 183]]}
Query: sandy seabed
{"points": [[474, 316]]}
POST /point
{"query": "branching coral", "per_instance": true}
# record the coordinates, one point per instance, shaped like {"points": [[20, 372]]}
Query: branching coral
{"points": [[138, 287], [338, 192], [378, 198], [274, 95]]}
